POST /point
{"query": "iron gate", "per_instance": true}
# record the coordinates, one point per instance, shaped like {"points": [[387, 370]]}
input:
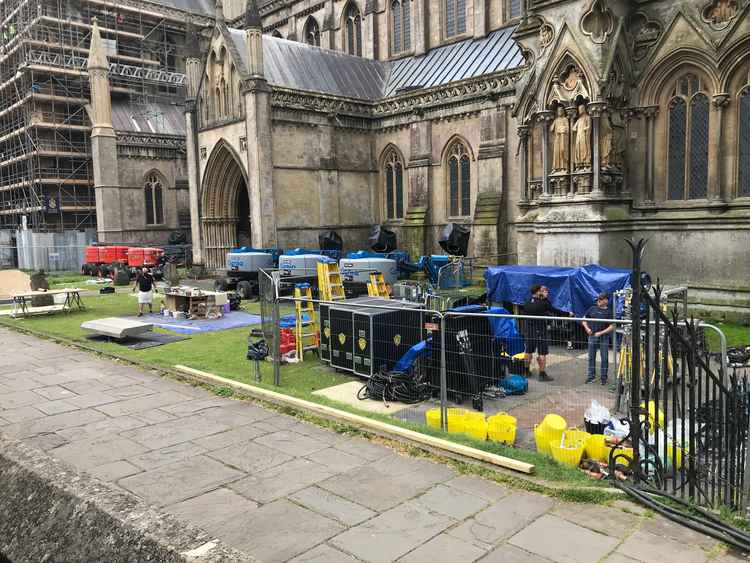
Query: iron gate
{"points": [[688, 414]]}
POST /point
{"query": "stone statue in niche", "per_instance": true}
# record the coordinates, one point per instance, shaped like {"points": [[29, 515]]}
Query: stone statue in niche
{"points": [[560, 129], [582, 147], [720, 12], [607, 146]]}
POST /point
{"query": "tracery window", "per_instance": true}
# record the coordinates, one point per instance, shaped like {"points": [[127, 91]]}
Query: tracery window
{"points": [[154, 200], [459, 180], [743, 177], [687, 164], [455, 17], [401, 25], [353, 30], [393, 171], [311, 32], [514, 9]]}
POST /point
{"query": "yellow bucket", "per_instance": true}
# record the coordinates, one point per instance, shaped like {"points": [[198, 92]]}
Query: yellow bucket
{"points": [[578, 437], [456, 420], [596, 447], [652, 416], [567, 454], [502, 428], [433, 418], [475, 425], [551, 428]]}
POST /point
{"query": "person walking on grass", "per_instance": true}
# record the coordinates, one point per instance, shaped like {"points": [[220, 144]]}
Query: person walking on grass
{"points": [[599, 332], [535, 331], [144, 282]]}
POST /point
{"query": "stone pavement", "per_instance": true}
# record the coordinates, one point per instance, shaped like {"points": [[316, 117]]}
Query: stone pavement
{"points": [[284, 490]]}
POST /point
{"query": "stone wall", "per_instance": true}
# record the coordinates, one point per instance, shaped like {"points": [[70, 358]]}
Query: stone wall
{"points": [[54, 513]]}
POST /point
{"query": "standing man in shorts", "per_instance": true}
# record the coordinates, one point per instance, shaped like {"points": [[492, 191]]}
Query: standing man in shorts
{"points": [[535, 331], [144, 282]]}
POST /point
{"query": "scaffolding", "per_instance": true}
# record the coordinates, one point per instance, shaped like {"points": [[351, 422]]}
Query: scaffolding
{"points": [[46, 174]]}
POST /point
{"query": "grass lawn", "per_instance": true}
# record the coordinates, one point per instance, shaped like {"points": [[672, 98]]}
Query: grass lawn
{"points": [[223, 353]]}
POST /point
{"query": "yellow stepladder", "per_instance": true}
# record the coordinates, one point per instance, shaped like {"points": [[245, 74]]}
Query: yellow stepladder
{"points": [[377, 287], [306, 333], [330, 282]]}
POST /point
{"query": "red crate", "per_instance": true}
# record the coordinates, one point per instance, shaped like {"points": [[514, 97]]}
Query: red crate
{"points": [[92, 254], [112, 254]]}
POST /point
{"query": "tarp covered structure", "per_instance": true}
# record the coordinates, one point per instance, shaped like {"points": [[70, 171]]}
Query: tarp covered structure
{"points": [[570, 289]]}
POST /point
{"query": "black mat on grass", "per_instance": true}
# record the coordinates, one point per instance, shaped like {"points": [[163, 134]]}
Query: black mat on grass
{"points": [[147, 340]]}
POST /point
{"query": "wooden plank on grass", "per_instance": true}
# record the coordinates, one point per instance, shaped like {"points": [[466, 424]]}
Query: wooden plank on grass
{"points": [[363, 421]]}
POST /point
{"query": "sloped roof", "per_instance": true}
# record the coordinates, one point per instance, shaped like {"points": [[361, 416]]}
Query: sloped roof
{"points": [[458, 61], [201, 7], [298, 66], [290, 64], [154, 118]]}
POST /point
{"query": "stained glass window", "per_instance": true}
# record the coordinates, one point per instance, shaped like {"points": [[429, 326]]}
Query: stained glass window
{"points": [[677, 142], [397, 29], [353, 31], [394, 186], [312, 32], [743, 185], [406, 12], [154, 203], [459, 180], [699, 110]]}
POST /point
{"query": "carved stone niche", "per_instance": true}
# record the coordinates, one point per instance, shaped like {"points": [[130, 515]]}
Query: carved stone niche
{"points": [[597, 23], [568, 85], [644, 34], [720, 13], [546, 35]]}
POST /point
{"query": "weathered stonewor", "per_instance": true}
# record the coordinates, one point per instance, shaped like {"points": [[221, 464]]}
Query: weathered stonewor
{"points": [[53, 513]]}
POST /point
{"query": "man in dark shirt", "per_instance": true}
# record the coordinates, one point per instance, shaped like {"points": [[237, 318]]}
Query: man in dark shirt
{"points": [[144, 282], [535, 331], [599, 332]]}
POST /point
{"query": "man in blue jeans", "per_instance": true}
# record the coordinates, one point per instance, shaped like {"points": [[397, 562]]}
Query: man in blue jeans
{"points": [[599, 332]]}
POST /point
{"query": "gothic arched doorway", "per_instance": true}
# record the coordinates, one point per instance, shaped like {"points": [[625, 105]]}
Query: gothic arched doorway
{"points": [[225, 206]]}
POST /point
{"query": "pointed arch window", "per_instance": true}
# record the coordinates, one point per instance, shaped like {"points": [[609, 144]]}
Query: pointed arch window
{"points": [[353, 30], [154, 200], [311, 32], [514, 9], [455, 17], [459, 180], [743, 177], [688, 139], [393, 171], [401, 26]]}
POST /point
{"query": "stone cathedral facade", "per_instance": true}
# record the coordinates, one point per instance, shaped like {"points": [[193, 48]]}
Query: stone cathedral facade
{"points": [[553, 128]]}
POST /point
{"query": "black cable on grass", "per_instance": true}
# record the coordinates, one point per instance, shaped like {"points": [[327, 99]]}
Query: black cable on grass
{"points": [[394, 386]]}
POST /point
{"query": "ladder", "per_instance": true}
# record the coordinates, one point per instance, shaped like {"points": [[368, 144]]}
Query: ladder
{"points": [[376, 287], [330, 283], [306, 333]]}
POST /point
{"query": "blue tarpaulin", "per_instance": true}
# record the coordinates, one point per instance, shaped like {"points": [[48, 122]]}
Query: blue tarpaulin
{"points": [[233, 319], [503, 328], [570, 289]]}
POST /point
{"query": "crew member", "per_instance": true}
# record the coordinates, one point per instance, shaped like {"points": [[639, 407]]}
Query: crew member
{"points": [[144, 282], [535, 331], [599, 332]]}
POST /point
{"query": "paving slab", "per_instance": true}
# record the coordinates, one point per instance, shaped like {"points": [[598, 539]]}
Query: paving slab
{"points": [[210, 510], [507, 553], [392, 534], [106, 427], [451, 502], [164, 434], [324, 554], [130, 391], [503, 519], [564, 542], [181, 480], [443, 548], [336, 460], [292, 443], [610, 521], [22, 383], [114, 471], [18, 399], [46, 442], [98, 451], [619, 558], [479, 487], [54, 392], [21, 413], [92, 399], [230, 437], [56, 407], [250, 457], [52, 423], [165, 456], [233, 414], [154, 416], [332, 506], [139, 404], [643, 546], [278, 531], [660, 526], [193, 406], [364, 449], [276, 482]]}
